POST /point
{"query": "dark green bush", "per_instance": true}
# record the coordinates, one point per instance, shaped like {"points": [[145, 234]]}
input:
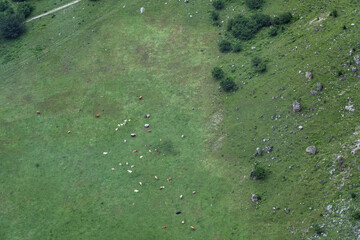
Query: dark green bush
{"points": [[242, 27], [228, 84], [262, 20], [356, 215], [275, 21], [258, 64], [25, 9], [259, 173], [334, 13], [237, 47], [11, 26], [318, 230], [285, 18], [224, 46], [353, 195], [217, 73], [4, 5], [254, 4], [214, 16], [273, 31], [218, 4]]}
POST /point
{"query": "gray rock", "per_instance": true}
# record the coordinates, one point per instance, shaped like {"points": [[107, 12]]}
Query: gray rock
{"points": [[351, 52], [146, 125], [287, 210], [313, 92], [309, 75], [357, 59], [311, 150], [296, 106], [255, 198], [268, 149], [355, 150], [258, 152], [319, 86], [358, 168]]}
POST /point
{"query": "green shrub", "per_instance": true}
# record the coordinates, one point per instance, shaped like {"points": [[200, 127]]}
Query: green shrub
{"points": [[4, 5], [224, 46], [334, 13], [318, 230], [259, 173], [285, 18], [217, 73], [237, 47], [242, 27], [275, 20], [262, 20], [228, 84], [218, 4], [258, 64], [254, 4], [353, 195], [273, 31], [11, 26], [356, 215], [214, 16], [25, 9]]}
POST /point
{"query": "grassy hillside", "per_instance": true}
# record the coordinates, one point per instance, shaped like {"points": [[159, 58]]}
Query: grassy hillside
{"points": [[99, 57]]}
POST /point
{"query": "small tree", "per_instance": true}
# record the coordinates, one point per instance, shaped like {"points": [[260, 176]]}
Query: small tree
{"points": [[356, 215], [285, 18], [224, 46], [4, 5], [11, 26], [242, 27], [258, 64], [214, 16], [237, 47], [258, 173], [273, 31], [318, 230], [218, 4], [217, 73], [25, 9], [334, 13], [254, 4], [228, 84], [262, 20]]}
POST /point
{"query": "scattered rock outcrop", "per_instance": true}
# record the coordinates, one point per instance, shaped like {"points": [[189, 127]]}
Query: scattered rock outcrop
{"points": [[357, 59], [296, 106], [255, 198], [311, 150], [309, 75]]}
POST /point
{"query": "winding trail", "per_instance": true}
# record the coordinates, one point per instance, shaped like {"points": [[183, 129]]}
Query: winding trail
{"points": [[54, 10]]}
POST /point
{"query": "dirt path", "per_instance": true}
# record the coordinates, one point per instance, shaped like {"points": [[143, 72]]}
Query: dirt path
{"points": [[54, 10]]}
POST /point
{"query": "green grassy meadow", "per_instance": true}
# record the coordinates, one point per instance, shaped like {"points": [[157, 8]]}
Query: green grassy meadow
{"points": [[99, 57]]}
